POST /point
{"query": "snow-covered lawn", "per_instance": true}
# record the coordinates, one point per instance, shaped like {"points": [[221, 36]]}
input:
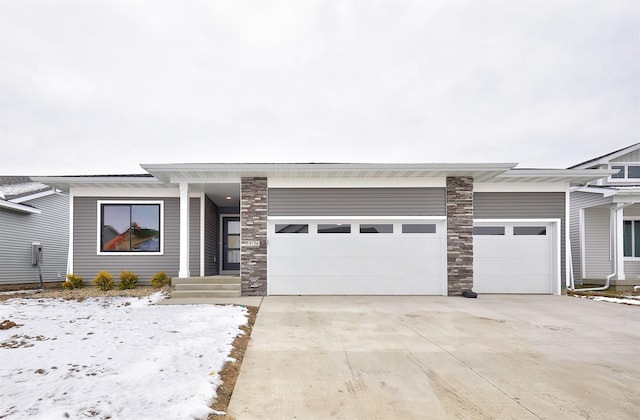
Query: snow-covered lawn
{"points": [[113, 358]]}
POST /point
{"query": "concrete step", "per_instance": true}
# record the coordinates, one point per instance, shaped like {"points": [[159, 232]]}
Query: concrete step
{"points": [[207, 286], [183, 294], [206, 280]]}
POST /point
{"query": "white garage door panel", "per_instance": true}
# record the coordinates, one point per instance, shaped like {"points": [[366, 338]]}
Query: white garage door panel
{"points": [[356, 285], [356, 263], [512, 246], [355, 266], [515, 266], [513, 284], [354, 245], [515, 263]]}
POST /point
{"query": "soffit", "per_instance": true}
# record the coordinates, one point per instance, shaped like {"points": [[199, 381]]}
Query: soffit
{"points": [[212, 173]]}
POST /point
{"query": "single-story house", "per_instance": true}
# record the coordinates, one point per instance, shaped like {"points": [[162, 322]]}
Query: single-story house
{"points": [[605, 221], [335, 228], [32, 216]]}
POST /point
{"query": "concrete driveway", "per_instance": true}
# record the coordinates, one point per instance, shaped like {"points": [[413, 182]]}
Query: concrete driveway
{"points": [[502, 357]]}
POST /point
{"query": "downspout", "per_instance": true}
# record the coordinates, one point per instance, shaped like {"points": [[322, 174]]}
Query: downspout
{"points": [[614, 252]]}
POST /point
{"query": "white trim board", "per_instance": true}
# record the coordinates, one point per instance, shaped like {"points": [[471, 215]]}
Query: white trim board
{"points": [[126, 192], [277, 218], [436, 182], [520, 187]]}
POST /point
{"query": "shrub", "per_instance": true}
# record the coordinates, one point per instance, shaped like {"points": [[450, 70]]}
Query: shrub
{"points": [[104, 281], [159, 280], [128, 280], [73, 282]]}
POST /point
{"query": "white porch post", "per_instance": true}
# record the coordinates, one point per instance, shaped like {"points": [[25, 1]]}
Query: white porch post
{"points": [[184, 230], [619, 245]]}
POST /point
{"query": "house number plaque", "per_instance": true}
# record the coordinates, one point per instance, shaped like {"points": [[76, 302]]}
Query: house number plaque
{"points": [[253, 243]]}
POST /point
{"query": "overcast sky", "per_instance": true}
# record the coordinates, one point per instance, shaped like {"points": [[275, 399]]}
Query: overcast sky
{"points": [[95, 87]]}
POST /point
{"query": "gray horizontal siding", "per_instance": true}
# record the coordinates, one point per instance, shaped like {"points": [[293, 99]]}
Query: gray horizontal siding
{"points": [[356, 202], [580, 200], [88, 263], [211, 238], [521, 205], [596, 244], [50, 228]]}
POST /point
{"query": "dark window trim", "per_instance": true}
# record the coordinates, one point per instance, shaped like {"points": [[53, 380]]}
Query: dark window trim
{"points": [[130, 203], [291, 228], [529, 231], [343, 228], [489, 230], [380, 228]]}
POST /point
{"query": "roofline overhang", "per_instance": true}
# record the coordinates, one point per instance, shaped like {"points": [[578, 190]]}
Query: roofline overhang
{"points": [[605, 159], [230, 172], [163, 175], [19, 207], [33, 196], [65, 183], [572, 176]]}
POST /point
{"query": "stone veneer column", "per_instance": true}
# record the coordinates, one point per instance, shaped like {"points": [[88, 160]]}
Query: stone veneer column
{"points": [[253, 236], [459, 234]]}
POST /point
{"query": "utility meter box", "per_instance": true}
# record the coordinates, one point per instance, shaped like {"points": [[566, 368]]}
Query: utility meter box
{"points": [[36, 253]]}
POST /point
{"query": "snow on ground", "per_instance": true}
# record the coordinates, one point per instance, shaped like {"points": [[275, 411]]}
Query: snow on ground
{"points": [[117, 358], [626, 300]]}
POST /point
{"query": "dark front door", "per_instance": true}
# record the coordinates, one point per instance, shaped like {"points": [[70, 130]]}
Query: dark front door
{"points": [[230, 243]]}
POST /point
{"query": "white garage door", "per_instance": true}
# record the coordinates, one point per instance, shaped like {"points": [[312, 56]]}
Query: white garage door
{"points": [[515, 257], [356, 257]]}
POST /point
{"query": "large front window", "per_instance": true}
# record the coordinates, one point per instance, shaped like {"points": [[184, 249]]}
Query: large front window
{"points": [[631, 238], [130, 227]]}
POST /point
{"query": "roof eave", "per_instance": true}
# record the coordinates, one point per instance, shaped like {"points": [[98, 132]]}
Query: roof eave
{"points": [[21, 208]]}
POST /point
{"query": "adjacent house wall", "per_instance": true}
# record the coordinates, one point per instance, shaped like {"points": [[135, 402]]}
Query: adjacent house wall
{"points": [[632, 266], [597, 242], [629, 157], [524, 205], [50, 228], [88, 263], [357, 202], [581, 200], [194, 236]]}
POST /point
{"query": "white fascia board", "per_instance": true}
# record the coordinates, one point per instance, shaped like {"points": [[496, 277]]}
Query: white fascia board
{"points": [[557, 175], [225, 172], [32, 196], [125, 192], [351, 218], [520, 187], [329, 167], [605, 192], [19, 207], [439, 182], [193, 180]]}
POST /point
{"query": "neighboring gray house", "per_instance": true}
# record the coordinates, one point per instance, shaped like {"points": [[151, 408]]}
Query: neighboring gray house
{"points": [[32, 212], [605, 221], [318, 229]]}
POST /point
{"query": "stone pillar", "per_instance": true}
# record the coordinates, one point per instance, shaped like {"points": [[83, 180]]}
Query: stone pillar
{"points": [[459, 234], [253, 236]]}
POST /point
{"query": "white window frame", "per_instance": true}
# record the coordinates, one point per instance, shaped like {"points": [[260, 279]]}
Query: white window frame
{"points": [[128, 202], [630, 219], [625, 172]]}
